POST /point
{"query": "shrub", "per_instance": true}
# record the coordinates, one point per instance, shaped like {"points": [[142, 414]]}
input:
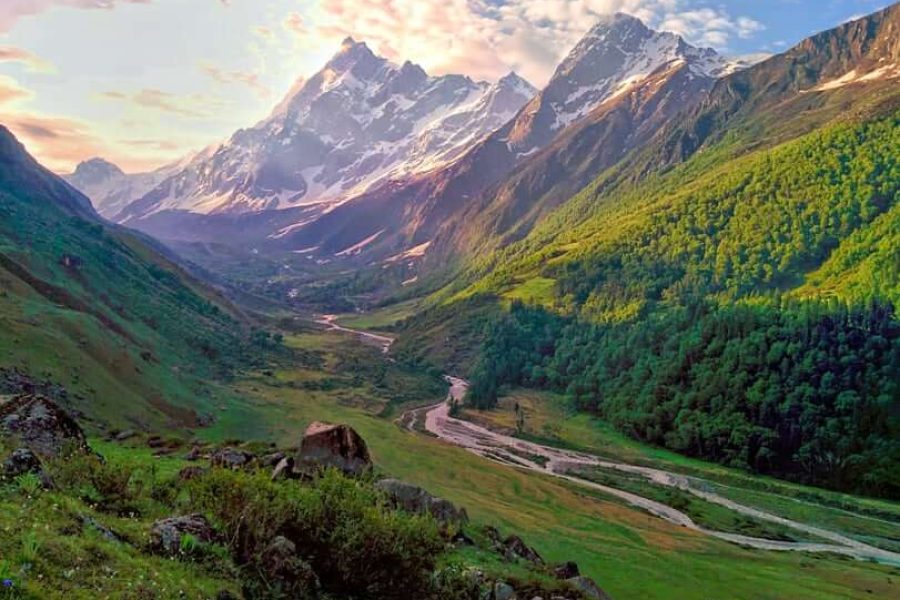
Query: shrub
{"points": [[356, 545]]}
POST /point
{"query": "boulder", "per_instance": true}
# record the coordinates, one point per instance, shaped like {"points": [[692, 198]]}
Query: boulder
{"points": [[272, 460], [21, 461], [504, 591], [166, 534], [191, 472], [339, 446], [416, 500], [588, 588], [567, 570], [284, 570], [195, 453], [124, 435], [284, 469], [231, 458], [41, 425], [516, 547]]}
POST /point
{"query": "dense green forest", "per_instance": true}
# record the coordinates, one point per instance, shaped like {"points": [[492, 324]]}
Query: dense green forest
{"points": [[743, 314]]}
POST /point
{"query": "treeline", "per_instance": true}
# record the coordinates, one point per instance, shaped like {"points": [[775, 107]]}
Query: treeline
{"points": [[804, 391]]}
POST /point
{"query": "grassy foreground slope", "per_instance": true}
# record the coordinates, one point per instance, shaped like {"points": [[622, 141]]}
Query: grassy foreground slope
{"points": [[631, 554], [102, 312]]}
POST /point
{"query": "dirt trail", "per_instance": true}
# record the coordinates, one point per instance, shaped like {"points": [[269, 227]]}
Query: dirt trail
{"points": [[556, 462]]}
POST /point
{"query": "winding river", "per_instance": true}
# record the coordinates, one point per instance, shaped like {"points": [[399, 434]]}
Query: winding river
{"points": [[558, 463]]}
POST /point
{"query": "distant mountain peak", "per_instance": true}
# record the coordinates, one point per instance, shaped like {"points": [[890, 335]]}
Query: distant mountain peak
{"points": [[95, 168], [352, 55]]}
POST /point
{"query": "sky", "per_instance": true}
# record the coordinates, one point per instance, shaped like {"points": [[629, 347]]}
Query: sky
{"points": [[146, 82]]}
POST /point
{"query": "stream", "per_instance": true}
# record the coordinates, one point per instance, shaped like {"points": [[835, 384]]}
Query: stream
{"points": [[557, 463]]}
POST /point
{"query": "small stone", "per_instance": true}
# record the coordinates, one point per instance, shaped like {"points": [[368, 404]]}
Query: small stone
{"points": [[125, 435], [566, 570], [190, 473], [588, 588], [504, 591], [166, 534]]}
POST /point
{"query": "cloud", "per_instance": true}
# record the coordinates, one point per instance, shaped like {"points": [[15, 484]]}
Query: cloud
{"points": [[59, 143], [486, 38], [295, 23], [11, 92], [19, 55], [246, 78], [193, 106]]}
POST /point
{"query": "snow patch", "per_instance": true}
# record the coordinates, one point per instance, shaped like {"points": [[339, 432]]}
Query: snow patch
{"points": [[357, 248]]}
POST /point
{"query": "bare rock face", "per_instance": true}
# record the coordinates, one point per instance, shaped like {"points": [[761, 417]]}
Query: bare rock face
{"points": [[339, 446], [41, 425], [166, 534], [416, 500]]}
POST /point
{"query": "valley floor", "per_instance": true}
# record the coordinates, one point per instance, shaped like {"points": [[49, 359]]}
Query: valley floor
{"points": [[623, 544]]}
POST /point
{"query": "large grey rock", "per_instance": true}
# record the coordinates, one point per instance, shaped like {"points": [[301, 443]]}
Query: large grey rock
{"points": [[516, 547], [41, 425], [588, 588], [416, 500], [326, 445], [166, 534], [231, 458]]}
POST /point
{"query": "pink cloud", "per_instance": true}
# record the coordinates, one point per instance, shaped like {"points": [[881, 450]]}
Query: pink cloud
{"points": [[20, 55], [246, 78], [11, 91]]}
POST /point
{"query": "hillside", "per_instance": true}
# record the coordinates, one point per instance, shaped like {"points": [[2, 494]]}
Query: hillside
{"points": [[738, 307], [101, 312]]}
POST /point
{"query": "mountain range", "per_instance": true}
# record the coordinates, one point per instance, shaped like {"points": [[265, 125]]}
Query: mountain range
{"points": [[359, 120], [366, 151]]}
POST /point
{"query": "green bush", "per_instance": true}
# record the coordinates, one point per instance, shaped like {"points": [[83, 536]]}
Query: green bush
{"points": [[356, 545]]}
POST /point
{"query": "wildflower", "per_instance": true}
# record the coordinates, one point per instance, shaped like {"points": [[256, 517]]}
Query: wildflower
{"points": [[7, 583]]}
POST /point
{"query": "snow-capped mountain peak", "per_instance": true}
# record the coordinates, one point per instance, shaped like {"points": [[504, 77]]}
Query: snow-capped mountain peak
{"points": [[615, 55], [359, 120]]}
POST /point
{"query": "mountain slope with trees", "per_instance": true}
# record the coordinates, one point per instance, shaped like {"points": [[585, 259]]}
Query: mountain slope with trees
{"points": [[737, 305]]}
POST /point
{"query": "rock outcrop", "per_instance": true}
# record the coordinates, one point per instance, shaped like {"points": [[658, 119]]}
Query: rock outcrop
{"points": [[416, 500], [326, 445], [40, 425]]}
